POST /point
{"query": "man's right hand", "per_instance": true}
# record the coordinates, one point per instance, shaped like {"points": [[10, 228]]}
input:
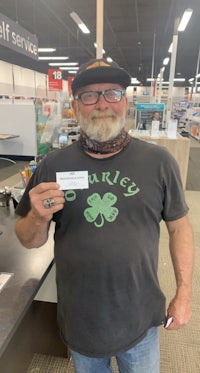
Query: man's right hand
{"points": [[43, 192]]}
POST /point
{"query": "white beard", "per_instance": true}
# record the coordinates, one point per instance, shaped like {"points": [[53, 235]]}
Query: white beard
{"points": [[101, 125]]}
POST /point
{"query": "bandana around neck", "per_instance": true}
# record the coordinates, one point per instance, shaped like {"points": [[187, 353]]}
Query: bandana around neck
{"points": [[106, 147]]}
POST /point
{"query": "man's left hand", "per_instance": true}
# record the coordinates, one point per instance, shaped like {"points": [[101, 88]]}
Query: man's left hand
{"points": [[180, 310]]}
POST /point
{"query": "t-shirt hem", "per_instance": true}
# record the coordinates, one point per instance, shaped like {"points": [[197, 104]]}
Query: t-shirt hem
{"points": [[110, 353]]}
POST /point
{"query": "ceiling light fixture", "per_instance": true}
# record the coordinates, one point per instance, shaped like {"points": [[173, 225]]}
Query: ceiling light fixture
{"points": [[170, 48], [134, 81], [63, 64], [46, 58], [46, 50], [185, 19], [68, 68], [103, 50], [179, 79], [166, 61], [79, 22], [109, 59]]}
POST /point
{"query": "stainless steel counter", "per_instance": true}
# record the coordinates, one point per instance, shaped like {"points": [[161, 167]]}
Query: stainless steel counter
{"points": [[29, 268]]}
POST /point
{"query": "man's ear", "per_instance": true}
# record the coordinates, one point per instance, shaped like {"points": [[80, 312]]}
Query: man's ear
{"points": [[127, 103]]}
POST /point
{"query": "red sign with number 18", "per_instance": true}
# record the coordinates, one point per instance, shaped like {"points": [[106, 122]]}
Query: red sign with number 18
{"points": [[55, 80]]}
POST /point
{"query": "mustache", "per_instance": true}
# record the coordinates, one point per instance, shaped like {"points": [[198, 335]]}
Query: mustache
{"points": [[96, 114]]}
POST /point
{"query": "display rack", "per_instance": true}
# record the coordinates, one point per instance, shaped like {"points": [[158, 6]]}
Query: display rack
{"points": [[56, 126], [194, 126], [193, 116], [179, 147], [66, 133]]}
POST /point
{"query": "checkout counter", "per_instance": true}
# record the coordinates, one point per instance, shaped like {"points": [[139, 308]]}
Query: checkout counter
{"points": [[178, 146], [27, 326]]}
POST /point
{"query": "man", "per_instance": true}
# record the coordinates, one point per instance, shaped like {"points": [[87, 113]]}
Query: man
{"points": [[107, 233]]}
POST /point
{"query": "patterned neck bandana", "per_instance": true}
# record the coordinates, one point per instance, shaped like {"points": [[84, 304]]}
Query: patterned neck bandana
{"points": [[106, 147]]}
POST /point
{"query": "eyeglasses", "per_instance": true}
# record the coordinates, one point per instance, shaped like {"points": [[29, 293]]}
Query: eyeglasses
{"points": [[92, 97]]}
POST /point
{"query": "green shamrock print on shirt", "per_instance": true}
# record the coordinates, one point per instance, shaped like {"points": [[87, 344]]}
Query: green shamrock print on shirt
{"points": [[103, 207]]}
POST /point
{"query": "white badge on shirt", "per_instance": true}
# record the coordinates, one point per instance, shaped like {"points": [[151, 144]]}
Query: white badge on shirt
{"points": [[72, 180]]}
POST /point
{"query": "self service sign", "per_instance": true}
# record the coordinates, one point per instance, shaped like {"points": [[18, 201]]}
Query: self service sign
{"points": [[15, 37]]}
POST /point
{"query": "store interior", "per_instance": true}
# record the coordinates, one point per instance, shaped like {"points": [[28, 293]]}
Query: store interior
{"points": [[36, 118]]}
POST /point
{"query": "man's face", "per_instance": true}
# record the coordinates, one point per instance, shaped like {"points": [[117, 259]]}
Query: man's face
{"points": [[103, 120]]}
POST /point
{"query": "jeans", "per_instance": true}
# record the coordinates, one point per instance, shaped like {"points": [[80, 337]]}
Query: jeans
{"points": [[142, 358]]}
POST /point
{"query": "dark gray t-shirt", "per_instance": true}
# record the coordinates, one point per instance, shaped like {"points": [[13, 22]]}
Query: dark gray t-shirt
{"points": [[106, 244]]}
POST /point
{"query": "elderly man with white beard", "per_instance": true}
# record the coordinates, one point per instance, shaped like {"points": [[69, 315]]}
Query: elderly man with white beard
{"points": [[107, 213]]}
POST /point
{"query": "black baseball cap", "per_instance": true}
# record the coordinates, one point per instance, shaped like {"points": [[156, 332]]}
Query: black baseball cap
{"points": [[100, 71]]}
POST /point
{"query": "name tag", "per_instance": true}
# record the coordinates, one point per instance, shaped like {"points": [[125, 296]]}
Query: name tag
{"points": [[72, 180]]}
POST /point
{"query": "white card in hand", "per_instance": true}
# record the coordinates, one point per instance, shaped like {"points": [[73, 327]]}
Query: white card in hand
{"points": [[72, 180], [168, 322], [4, 277]]}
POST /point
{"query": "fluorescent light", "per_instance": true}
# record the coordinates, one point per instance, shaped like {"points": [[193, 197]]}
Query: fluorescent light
{"points": [[166, 61], [46, 49], [79, 22], [68, 68], [109, 59], [157, 80], [191, 80], [179, 79], [63, 63], [84, 28], [165, 82], [71, 72], [170, 48], [134, 81], [198, 76], [185, 19], [103, 50], [46, 58]]}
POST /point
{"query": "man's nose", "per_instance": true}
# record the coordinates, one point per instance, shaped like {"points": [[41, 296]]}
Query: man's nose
{"points": [[101, 103]]}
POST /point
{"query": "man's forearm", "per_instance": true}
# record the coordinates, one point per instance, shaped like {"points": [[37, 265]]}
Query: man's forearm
{"points": [[182, 253], [31, 231]]}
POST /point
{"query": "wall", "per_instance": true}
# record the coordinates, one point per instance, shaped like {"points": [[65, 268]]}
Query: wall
{"points": [[19, 81], [18, 119], [18, 115]]}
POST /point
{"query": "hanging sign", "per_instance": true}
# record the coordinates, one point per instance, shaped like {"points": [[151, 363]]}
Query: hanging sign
{"points": [[15, 37], [55, 80], [150, 107]]}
